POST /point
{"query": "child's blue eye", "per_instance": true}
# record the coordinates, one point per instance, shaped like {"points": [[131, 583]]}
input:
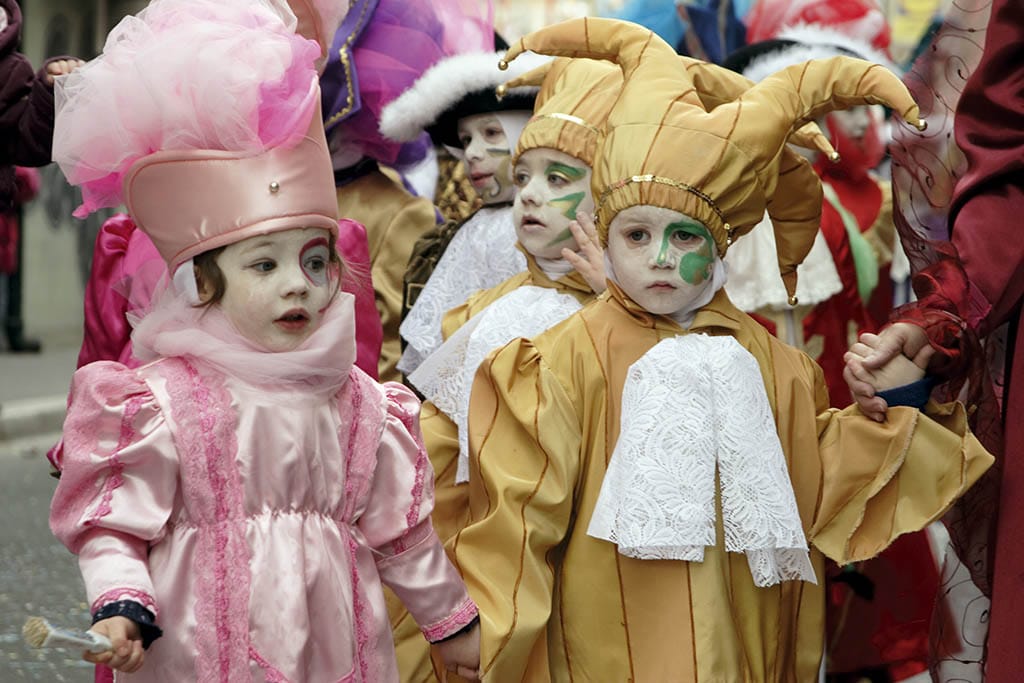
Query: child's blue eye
{"points": [[316, 264], [264, 266]]}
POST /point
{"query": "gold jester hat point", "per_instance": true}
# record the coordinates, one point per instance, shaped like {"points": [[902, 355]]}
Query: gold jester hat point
{"points": [[575, 98]]}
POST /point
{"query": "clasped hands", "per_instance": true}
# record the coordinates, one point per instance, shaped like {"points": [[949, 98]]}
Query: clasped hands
{"points": [[895, 357]]}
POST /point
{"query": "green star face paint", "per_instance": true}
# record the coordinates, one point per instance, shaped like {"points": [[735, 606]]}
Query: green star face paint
{"points": [[553, 186]]}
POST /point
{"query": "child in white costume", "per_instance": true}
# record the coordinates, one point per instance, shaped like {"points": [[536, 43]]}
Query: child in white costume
{"points": [[248, 489], [652, 468], [455, 102]]}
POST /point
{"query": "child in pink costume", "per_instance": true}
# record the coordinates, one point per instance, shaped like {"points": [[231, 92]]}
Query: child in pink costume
{"points": [[247, 489]]}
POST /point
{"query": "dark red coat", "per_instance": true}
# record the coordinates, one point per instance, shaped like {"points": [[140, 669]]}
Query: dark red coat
{"points": [[26, 107], [985, 287]]}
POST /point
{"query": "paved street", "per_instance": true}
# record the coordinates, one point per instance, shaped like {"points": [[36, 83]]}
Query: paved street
{"points": [[38, 576]]}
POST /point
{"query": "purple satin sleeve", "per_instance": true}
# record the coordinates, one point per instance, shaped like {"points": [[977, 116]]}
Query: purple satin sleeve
{"points": [[118, 483], [354, 248], [396, 524]]}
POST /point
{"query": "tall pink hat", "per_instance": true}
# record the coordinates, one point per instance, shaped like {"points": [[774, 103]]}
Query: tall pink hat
{"points": [[203, 117]]}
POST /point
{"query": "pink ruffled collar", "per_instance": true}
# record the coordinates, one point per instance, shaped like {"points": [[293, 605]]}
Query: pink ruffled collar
{"points": [[320, 365]]}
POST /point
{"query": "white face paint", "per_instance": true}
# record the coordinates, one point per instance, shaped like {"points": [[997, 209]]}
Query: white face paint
{"points": [[487, 157], [277, 286], [662, 259], [553, 186], [852, 122]]}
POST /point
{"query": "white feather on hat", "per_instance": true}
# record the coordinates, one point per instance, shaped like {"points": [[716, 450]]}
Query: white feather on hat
{"points": [[444, 85], [812, 42]]}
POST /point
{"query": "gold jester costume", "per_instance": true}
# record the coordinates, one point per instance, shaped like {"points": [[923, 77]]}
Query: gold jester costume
{"points": [[546, 416], [574, 98]]}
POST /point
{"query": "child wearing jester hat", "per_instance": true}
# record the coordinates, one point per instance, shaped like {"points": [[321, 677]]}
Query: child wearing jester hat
{"points": [[237, 502], [662, 477], [551, 169], [455, 102]]}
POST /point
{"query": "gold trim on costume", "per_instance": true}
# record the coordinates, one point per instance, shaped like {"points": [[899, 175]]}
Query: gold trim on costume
{"points": [[343, 54], [651, 178]]}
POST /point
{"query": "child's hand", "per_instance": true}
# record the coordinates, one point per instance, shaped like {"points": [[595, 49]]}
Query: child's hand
{"points": [[589, 260], [461, 654], [896, 372], [61, 67], [127, 655]]}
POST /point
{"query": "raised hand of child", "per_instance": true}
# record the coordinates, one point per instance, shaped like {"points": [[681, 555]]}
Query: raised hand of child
{"points": [[589, 260], [461, 654], [61, 67], [127, 654]]}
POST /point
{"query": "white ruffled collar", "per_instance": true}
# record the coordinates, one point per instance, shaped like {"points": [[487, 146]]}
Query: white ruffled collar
{"points": [[657, 500]]}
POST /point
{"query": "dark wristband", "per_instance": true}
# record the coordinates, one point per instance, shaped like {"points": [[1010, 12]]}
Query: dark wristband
{"points": [[914, 395], [465, 629], [130, 609]]}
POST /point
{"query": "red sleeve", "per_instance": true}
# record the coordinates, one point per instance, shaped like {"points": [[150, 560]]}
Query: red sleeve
{"points": [[976, 281]]}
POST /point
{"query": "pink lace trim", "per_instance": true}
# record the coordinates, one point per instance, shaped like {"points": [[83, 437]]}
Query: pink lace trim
{"points": [[358, 610], [212, 493], [412, 517], [115, 480], [119, 594], [458, 619], [272, 674], [365, 421]]}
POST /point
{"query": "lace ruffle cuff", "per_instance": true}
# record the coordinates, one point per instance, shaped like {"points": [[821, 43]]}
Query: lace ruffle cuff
{"points": [[137, 613]]}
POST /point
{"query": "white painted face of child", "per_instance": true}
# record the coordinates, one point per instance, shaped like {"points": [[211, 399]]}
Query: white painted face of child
{"points": [[552, 186], [487, 157], [662, 258], [277, 286]]}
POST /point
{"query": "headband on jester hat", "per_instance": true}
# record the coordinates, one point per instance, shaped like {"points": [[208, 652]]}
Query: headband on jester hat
{"points": [[725, 166], [207, 146]]}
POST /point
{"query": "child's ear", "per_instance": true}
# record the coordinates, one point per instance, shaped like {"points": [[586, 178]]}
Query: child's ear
{"points": [[201, 285]]}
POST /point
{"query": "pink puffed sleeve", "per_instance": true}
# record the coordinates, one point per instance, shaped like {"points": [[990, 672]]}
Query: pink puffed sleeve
{"points": [[396, 524], [118, 484]]}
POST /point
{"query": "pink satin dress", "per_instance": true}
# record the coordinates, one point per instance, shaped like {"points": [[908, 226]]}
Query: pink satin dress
{"points": [[257, 520]]}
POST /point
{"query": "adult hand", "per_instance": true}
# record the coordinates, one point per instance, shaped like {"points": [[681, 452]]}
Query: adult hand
{"points": [[589, 260], [127, 654], [897, 339], [61, 67]]}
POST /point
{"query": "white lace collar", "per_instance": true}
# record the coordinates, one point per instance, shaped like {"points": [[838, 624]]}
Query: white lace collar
{"points": [[658, 496], [446, 376], [482, 254]]}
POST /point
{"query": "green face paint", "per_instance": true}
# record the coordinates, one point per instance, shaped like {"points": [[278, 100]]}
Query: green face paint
{"points": [[498, 151], [502, 179], [570, 172], [694, 266]]}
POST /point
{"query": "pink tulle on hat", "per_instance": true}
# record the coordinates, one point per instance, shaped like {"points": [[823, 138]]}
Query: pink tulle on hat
{"points": [[203, 116], [229, 75]]}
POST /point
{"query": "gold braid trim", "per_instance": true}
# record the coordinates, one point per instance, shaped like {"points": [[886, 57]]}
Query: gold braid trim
{"points": [[659, 180], [343, 54]]}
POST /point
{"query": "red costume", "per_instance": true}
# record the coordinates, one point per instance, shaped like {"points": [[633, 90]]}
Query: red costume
{"points": [[975, 286]]}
